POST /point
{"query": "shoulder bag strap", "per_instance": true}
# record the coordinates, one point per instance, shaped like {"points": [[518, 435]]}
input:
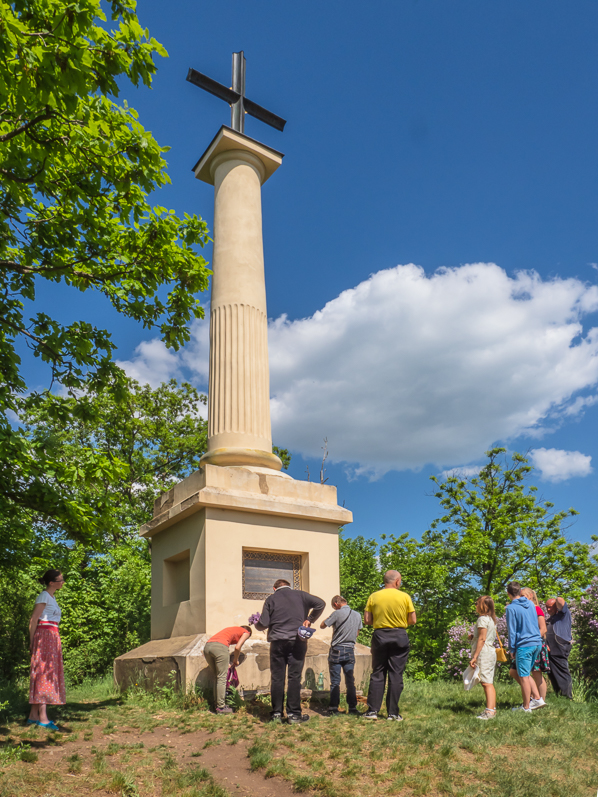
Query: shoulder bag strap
{"points": [[336, 630]]}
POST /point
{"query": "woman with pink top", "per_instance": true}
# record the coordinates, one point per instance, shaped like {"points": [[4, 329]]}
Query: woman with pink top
{"points": [[541, 664]]}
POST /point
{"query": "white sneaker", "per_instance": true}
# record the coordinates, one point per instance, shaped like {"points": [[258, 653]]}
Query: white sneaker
{"points": [[539, 703], [520, 708]]}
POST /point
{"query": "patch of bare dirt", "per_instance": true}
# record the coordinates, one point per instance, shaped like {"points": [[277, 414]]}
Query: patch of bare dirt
{"points": [[227, 763]]}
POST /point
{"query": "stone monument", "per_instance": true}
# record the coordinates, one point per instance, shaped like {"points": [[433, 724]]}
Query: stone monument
{"points": [[222, 536]]}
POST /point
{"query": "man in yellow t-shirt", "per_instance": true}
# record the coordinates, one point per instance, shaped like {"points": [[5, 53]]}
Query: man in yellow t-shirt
{"points": [[390, 611]]}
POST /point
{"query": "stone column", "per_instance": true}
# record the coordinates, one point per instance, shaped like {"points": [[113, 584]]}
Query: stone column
{"points": [[239, 431]]}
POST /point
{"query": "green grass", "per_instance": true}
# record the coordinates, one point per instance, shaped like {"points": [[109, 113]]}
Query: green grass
{"points": [[440, 749]]}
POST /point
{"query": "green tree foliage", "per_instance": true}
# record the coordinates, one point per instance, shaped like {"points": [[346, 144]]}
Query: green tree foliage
{"points": [[152, 437], [493, 530], [359, 575], [283, 455], [155, 437], [427, 577], [585, 632], [18, 589], [106, 605], [76, 169]]}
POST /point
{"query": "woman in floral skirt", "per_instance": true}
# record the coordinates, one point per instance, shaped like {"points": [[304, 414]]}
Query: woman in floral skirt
{"points": [[47, 674], [541, 665]]}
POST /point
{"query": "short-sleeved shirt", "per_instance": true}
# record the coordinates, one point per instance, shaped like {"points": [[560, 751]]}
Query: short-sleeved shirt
{"points": [[346, 623], [229, 636], [390, 608], [561, 623], [484, 621], [52, 612], [539, 612]]}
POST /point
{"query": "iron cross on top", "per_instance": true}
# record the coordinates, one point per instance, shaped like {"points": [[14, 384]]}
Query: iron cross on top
{"points": [[235, 96]]}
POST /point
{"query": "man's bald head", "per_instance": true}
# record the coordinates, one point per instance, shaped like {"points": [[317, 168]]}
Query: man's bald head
{"points": [[551, 606], [392, 578]]}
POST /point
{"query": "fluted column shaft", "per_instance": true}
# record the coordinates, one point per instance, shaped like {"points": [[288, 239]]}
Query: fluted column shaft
{"points": [[239, 431]]}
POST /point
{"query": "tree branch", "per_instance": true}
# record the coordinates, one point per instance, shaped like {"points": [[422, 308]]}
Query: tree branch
{"points": [[31, 123], [23, 180]]}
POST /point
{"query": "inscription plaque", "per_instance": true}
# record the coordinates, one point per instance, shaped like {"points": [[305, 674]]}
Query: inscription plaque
{"points": [[262, 568]]}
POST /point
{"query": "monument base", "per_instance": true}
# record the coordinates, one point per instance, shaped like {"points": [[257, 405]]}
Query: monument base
{"points": [[224, 535], [161, 661]]}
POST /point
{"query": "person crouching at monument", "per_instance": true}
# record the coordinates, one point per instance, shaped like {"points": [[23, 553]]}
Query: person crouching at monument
{"points": [[216, 653], [284, 613], [346, 624], [390, 611]]}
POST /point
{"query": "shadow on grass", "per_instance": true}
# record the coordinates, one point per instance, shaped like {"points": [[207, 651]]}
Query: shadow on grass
{"points": [[75, 709], [456, 707]]}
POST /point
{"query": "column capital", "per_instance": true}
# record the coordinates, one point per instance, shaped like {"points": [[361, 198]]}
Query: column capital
{"points": [[229, 140]]}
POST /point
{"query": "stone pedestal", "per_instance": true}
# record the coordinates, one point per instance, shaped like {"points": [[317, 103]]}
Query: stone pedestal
{"points": [[206, 532], [181, 660], [205, 527]]}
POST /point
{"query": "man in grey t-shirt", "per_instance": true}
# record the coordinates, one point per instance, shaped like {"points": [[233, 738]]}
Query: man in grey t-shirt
{"points": [[346, 624]]}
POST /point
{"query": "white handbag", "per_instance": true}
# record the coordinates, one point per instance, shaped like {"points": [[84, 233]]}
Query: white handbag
{"points": [[471, 677]]}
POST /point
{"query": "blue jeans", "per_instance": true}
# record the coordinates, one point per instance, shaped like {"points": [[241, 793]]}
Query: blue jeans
{"points": [[342, 658]]}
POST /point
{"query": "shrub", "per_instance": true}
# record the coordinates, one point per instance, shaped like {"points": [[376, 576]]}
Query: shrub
{"points": [[457, 654], [585, 631], [105, 609]]}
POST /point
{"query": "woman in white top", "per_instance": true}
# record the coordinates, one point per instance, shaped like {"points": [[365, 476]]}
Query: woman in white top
{"points": [[47, 673], [483, 652]]}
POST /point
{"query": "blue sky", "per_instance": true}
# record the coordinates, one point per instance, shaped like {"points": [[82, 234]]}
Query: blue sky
{"points": [[430, 240]]}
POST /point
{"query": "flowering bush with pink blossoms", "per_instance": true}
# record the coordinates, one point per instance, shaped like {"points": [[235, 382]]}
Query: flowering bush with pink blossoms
{"points": [[585, 631], [457, 654]]}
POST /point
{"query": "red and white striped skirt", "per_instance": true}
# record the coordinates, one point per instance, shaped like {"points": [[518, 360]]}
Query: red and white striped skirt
{"points": [[47, 674]]}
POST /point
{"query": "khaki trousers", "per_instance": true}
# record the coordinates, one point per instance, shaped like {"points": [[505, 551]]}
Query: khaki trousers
{"points": [[217, 656]]}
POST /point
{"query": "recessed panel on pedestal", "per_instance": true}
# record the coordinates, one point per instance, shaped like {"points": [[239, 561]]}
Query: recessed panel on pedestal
{"points": [[262, 568]]}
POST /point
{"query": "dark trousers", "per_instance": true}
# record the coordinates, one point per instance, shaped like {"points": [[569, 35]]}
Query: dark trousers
{"points": [[559, 674], [390, 651], [287, 654], [342, 658]]}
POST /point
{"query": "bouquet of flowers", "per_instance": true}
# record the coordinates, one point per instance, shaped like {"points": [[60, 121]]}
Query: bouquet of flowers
{"points": [[254, 618]]}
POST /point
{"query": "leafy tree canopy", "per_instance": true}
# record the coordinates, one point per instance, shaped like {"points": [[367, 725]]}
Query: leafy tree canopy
{"points": [[494, 529], [150, 438], [76, 169]]}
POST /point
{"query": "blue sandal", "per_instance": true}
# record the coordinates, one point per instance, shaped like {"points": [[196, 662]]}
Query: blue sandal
{"points": [[50, 726]]}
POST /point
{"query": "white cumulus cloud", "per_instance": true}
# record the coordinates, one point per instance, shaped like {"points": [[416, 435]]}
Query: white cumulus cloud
{"points": [[464, 472], [152, 363], [408, 369], [556, 465]]}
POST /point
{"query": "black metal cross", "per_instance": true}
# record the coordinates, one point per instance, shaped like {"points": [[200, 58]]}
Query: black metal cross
{"points": [[235, 96]]}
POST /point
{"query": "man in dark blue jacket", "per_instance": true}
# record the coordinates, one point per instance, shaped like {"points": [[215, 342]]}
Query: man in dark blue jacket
{"points": [[284, 612], [559, 646], [525, 641]]}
